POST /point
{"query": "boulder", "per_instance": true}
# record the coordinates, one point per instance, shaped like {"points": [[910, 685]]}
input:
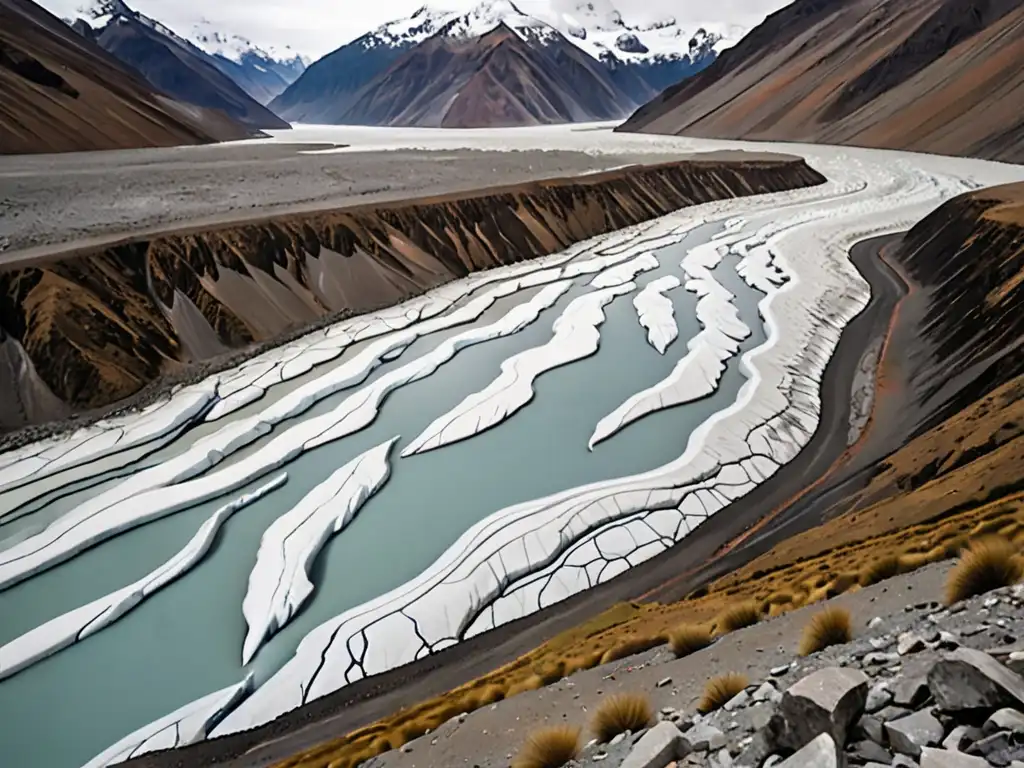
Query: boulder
{"points": [[910, 734], [702, 738], [943, 758], [911, 692], [909, 642], [657, 748], [827, 701], [869, 752], [820, 752], [961, 737], [969, 679], [879, 696], [1004, 720]]}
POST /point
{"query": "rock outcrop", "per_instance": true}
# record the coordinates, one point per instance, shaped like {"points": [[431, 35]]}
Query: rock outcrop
{"points": [[99, 325], [898, 74], [61, 92]]}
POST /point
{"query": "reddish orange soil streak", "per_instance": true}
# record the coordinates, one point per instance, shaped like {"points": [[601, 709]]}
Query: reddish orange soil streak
{"points": [[884, 386]]}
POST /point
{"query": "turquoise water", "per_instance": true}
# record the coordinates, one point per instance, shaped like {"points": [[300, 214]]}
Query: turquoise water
{"points": [[186, 640]]}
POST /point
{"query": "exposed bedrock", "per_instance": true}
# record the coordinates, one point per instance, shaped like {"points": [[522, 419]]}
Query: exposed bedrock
{"points": [[969, 256], [96, 326]]}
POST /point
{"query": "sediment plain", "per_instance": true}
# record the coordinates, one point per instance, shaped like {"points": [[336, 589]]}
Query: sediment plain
{"points": [[783, 259]]}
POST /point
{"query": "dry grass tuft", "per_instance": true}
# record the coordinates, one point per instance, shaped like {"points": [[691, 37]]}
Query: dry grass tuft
{"points": [[881, 569], [688, 638], [988, 564], [630, 647], [738, 616], [549, 747], [531, 683], [621, 713], [831, 626], [720, 690]]}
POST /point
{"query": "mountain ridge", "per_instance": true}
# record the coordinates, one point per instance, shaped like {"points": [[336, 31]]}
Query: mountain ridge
{"points": [[911, 75], [63, 93], [328, 89]]}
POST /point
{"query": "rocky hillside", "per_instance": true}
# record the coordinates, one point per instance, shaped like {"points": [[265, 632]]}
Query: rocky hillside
{"points": [[155, 305], [175, 66], [60, 93], [635, 61], [940, 76]]}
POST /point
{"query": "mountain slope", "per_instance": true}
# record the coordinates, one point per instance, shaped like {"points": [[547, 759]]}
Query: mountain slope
{"points": [[60, 92], [639, 61], [495, 79], [944, 76], [261, 76], [327, 88], [177, 67]]}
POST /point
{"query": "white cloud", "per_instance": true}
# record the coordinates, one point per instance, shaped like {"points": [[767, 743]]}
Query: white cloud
{"points": [[315, 27]]}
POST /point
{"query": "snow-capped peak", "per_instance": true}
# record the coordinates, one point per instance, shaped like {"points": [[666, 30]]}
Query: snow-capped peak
{"points": [[484, 17], [409, 31]]}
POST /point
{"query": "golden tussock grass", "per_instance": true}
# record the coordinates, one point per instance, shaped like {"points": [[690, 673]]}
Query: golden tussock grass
{"points": [[631, 646], [738, 616], [620, 713], [685, 639], [879, 570], [988, 564], [720, 690], [549, 747], [831, 626]]}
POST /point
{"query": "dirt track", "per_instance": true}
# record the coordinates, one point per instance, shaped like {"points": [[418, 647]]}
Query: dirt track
{"points": [[366, 701], [46, 200]]}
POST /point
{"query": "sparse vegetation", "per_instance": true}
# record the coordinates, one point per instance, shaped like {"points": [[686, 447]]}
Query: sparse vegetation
{"points": [[720, 690], [987, 564], [738, 616], [831, 626], [879, 570], [630, 647], [620, 713], [688, 638], [549, 747]]}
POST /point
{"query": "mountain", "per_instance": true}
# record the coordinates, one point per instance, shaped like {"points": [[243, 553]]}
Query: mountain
{"points": [[464, 80], [640, 60], [60, 92], [262, 73], [174, 65], [942, 76]]}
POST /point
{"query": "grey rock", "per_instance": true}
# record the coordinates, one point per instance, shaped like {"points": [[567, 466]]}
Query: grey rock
{"points": [[827, 701], [871, 728], [876, 622], [617, 739], [961, 737], [948, 641], [878, 658], [998, 749], [902, 761], [737, 702], [911, 692], [910, 734], [870, 752], [820, 752], [942, 758], [780, 671], [757, 752], [891, 713], [909, 642], [1004, 720], [1015, 661], [702, 738], [879, 696], [969, 679], [768, 692], [656, 748], [720, 759], [771, 761], [663, 682]]}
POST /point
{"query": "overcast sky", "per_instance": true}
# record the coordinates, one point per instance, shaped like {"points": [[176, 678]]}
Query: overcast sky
{"points": [[315, 27]]}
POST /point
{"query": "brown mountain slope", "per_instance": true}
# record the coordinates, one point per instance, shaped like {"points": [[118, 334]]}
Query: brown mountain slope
{"points": [[497, 79], [943, 76], [60, 92]]}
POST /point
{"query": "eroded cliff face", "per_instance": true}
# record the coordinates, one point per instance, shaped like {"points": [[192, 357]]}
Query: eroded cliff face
{"points": [[969, 254], [97, 326]]}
